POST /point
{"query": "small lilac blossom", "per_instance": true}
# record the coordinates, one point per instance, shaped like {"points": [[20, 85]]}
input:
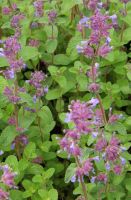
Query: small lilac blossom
{"points": [[93, 178], [94, 134], [73, 179], [108, 40], [1, 152], [2, 52], [107, 166], [83, 23], [93, 102], [114, 19], [68, 118], [85, 49], [123, 161], [9, 74], [96, 158]]}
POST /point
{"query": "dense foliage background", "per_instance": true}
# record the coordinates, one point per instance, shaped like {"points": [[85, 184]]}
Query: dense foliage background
{"points": [[41, 72]]}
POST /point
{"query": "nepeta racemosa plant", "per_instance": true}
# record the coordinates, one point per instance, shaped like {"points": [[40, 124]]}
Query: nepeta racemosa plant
{"points": [[89, 118]]}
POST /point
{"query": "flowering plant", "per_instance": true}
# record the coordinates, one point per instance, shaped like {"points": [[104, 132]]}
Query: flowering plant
{"points": [[65, 99]]}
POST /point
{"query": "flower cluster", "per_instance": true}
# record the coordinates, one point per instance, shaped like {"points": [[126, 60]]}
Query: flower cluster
{"points": [[34, 43], [36, 81], [8, 176], [8, 10], [52, 16], [16, 20], [11, 50], [12, 94], [38, 8], [87, 119], [94, 4], [98, 43], [20, 140], [4, 195]]}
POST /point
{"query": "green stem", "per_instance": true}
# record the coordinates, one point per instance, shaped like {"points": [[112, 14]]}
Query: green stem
{"points": [[102, 109], [39, 125], [81, 180], [15, 105]]}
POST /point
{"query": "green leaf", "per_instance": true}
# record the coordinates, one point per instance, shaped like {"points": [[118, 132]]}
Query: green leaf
{"points": [[47, 121], [49, 173], [12, 162], [7, 137], [54, 94], [118, 179], [70, 172], [51, 45], [35, 169], [28, 52], [48, 29], [3, 84], [37, 179], [53, 194], [43, 194], [127, 35], [128, 184], [29, 151], [61, 59], [28, 117], [16, 195], [3, 62], [68, 4]]}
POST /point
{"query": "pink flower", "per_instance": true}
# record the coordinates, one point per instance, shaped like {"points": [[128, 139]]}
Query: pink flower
{"points": [[92, 5], [102, 177], [112, 152], [34, 43], [87, 166], [104, 50], [94, 87], [4, 195], [99, 23], [12, 120], [38, 4], [6, 10], [8, 177], [16, 20], [117, 169], [101, 145]]}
